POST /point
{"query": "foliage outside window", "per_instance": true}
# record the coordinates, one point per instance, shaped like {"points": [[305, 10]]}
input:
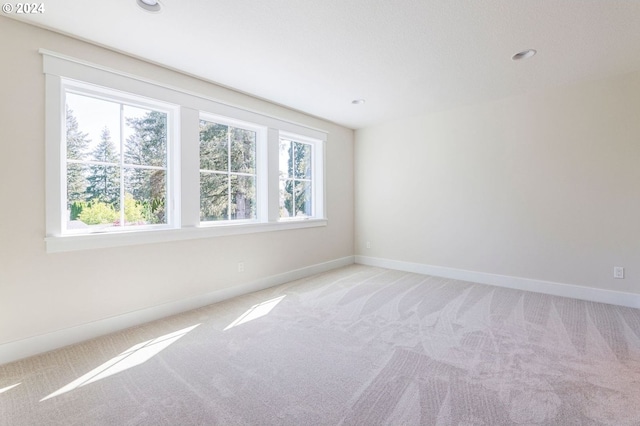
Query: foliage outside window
{"points": [[116, 164], [227, 172], [296, 179]]}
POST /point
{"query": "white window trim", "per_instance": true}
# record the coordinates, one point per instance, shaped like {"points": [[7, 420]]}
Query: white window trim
{"points": [[317, 177], [262, 177], [131, 238], [58, 68], [173, 152]]}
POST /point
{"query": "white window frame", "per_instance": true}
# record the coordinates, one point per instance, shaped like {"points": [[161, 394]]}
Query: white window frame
{"points": [[172, 177], [261, 168], [183, 171], [317, 175]]}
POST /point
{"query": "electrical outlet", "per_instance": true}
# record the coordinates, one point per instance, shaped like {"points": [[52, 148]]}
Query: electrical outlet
{"points": [[368, 244], [240, 266], [618, 272]]}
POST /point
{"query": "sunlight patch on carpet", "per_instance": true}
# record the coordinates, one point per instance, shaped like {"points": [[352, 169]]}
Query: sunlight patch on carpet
{"points": [[255, 312], [132, 357], [8, 388]]}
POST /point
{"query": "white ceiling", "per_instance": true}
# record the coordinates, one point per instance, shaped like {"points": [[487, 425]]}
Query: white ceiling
{"points": [[403, 56]]}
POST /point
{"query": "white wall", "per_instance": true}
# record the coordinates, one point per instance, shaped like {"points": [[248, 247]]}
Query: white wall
{"points": [[42, 293], [544, 186]]}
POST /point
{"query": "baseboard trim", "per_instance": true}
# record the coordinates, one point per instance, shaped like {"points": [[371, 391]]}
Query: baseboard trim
{"points": [[24, 348], [631, 300]]}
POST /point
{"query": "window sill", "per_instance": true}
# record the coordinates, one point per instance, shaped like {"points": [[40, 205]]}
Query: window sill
{"points": [[130, 238]]}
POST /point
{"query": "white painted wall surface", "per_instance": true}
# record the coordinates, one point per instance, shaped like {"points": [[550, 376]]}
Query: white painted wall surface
{"points": [[544, 186], [43, 293]]}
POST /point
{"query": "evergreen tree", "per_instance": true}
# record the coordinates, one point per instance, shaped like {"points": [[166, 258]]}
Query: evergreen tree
{"points": [[298, 167], [148, 147], [243, 160], [104, 181], [214, 156], [227, 149], [77, 144]]}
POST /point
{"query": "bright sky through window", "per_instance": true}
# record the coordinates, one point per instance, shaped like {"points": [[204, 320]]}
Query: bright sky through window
{"points": [[94, 115]]}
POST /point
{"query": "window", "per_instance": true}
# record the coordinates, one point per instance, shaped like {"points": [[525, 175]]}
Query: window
{"points": [[133, 161], [296, 179], [228, 187], [116, 162]]}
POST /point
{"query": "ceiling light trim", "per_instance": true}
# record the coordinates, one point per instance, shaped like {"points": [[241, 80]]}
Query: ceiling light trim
{"points": [[525, 54], [149, 5]]}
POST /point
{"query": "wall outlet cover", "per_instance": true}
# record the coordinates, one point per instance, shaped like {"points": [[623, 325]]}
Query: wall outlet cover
{"points": [[618, 272]]}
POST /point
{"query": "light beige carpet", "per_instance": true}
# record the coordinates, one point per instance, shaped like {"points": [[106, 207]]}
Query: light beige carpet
{"points": [[358, 345]]}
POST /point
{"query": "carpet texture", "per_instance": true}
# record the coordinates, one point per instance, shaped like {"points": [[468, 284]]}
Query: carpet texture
{"points": [[354, 346]]}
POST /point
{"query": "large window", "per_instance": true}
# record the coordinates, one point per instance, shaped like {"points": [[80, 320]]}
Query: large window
{"points": [[131, 161], [227, 172], [116, 162], [296, 178]]}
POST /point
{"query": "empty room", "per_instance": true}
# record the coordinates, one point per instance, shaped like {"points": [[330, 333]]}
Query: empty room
{"points": [[413, 212]]}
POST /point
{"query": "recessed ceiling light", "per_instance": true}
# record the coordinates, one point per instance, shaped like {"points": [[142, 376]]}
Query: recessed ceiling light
{"points": [[357, 101], [525, 54], [149, 5]]}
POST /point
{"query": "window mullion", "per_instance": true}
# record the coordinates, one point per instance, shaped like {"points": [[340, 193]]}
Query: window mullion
{"points": [[56, 157], [294, 210], [122, 192], [229, 173], [313, 185], [272, 190], [189, 167]]}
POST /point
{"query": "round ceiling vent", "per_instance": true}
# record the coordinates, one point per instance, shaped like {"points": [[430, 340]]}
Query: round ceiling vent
{"points": [[525, 54], [149, 5]]}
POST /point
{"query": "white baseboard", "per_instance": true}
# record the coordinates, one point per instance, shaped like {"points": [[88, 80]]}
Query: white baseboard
{"points": [[631, 300], [19, 349]]}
